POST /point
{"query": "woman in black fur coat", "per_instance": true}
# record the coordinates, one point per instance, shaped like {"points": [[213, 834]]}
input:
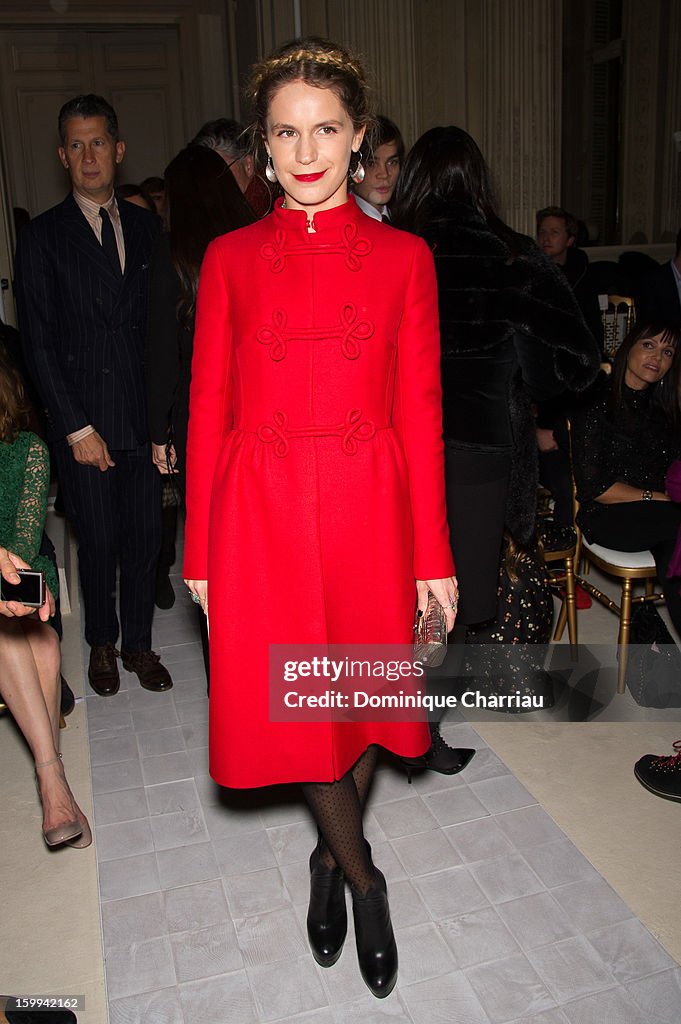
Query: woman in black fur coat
{"points": [[511, 334]]}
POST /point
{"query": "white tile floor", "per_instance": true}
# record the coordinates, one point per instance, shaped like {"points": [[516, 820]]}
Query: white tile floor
{"points": [[498, 917], [498, 914]]}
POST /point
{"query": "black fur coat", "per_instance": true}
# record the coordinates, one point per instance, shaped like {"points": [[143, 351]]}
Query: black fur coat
{"points": [[511, 334]]}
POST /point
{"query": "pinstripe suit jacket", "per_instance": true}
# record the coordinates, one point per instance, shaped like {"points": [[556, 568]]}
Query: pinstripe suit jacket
{"points": [[82, 325]]}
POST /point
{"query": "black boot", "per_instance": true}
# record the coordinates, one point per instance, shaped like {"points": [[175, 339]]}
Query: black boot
{"points": [[68, 700], [327, 916], [376, 949], [440, 757]]}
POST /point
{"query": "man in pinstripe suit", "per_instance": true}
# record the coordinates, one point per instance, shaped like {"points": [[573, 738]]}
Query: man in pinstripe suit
{"points": [[82, 293]]}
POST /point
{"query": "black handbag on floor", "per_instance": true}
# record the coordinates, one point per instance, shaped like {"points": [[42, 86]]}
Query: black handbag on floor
{"points": [[653, 660]]}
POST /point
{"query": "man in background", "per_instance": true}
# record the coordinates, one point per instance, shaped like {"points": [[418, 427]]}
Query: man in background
{"points": [[382, 157], [230, 141], [154, 189], [557, 239], [82, 298]]}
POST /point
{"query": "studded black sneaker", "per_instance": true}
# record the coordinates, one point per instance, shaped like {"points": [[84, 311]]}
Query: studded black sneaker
{"points": [[661, 775]]}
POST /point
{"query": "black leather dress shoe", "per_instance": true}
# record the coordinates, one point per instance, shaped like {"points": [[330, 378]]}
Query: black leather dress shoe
{"points": [[148, 668], [327, 916], [376, 948], [68, 698], [103, 670]]}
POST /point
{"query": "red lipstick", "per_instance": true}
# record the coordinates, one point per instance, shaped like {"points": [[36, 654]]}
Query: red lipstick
{"points": [[309, 177]]}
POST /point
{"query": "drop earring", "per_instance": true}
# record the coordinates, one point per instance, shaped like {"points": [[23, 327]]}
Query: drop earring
{"points": [[270, 173], [357, 176]]}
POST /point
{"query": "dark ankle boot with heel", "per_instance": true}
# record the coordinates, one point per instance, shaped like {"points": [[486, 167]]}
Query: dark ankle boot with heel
{"points": [[327, 916], [439, 757], [376, 948]]}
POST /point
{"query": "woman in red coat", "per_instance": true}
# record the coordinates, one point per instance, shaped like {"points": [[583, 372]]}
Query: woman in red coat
{"points": [[315, 495]]}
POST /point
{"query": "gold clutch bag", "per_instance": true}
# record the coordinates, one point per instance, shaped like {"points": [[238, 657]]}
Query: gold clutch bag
{"points": [[430, 634]]}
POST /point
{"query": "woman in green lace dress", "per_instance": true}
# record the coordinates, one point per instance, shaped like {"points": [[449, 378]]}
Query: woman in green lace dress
{"points": [[29, 647]]}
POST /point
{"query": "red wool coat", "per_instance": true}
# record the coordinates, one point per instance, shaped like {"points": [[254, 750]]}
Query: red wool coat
{"points": [[315, 483]]}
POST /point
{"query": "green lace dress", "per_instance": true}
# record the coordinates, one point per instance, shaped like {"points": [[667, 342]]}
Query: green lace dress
{"points": [[24, 482]]}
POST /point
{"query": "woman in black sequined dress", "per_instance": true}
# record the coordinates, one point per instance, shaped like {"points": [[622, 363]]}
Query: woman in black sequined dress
{"points": [[623, 444]]}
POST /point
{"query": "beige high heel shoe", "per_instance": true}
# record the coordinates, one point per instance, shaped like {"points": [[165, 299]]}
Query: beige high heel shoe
{"points": [[85, 839], [67, 831]]}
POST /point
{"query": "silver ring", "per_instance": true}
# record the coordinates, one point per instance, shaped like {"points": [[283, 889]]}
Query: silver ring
{"points": [[195, 598]]}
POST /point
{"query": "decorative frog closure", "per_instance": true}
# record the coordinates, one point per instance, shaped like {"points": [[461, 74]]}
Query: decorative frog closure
{"points": [[351, 330]]}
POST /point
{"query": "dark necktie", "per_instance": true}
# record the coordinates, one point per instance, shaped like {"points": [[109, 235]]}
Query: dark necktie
{"points": [[109, 239]]}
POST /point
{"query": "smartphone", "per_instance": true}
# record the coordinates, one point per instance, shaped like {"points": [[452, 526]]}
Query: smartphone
{"points": [[30, 590]]}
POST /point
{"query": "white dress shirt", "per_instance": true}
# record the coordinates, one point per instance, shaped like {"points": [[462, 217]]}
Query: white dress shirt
{"points": [[370, 210]]}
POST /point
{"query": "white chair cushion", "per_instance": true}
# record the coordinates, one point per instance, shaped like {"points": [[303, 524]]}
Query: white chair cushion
{"points": [[622, 559]]}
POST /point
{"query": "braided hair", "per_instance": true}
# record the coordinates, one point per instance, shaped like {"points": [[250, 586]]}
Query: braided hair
{"points": [[319, 63]]}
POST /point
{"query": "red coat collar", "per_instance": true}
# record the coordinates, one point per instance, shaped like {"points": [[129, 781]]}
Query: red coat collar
{"points": [[324, 220]]}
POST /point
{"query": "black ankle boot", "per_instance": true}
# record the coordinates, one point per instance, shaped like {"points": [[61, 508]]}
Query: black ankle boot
{"points": [[327, 916], [376, 949]]}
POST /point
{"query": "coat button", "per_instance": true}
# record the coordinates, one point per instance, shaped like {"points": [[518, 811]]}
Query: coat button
{"points": [[106, 370]]}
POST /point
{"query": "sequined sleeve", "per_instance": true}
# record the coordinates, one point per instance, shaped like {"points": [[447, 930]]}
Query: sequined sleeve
{"points": [[635, 447], [592, 452]]}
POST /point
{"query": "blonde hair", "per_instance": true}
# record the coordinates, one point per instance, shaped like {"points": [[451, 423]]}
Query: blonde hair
{"points": [[317, 62]]}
